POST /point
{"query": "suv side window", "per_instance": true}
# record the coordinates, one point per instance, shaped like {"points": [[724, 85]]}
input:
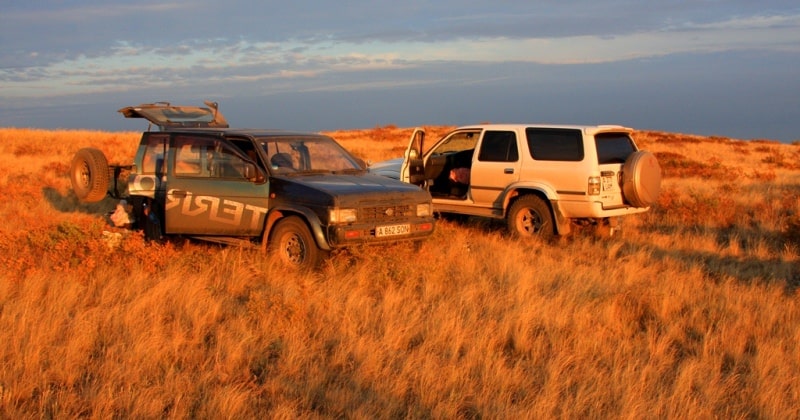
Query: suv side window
{"points": [[206, 157], [499, 146], [613, 147], [555, 144]]}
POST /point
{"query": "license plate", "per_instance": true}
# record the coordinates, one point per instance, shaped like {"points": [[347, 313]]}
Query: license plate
{"points": [[608, 183], [392, 230]]}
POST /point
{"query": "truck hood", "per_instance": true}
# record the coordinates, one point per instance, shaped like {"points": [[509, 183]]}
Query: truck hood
{"points": [[346, 189]]}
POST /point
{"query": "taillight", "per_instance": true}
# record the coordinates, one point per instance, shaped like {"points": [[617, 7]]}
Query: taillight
{"points": [[593, 187]]}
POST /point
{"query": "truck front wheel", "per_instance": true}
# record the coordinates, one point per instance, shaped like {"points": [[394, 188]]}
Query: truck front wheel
{"points": [[292, 242], [530, 216]]}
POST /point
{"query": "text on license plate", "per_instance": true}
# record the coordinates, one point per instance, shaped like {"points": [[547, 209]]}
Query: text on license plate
{"points": [[608, 183], [392, 230]]}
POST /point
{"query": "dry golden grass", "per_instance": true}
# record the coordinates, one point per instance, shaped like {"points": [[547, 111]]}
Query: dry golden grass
{"points": [[694, 312]]}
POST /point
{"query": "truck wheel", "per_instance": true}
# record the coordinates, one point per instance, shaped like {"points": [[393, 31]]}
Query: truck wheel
{"points": [[292, 242], [530, 216], [89, 175], [641, 179]]}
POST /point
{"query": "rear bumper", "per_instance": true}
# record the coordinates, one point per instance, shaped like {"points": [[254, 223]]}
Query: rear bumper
{"points": [[578, 209], [344, 235]]}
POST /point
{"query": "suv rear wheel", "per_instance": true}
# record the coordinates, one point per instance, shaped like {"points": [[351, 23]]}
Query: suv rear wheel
{"points": [[530, 216], [292, 242]]}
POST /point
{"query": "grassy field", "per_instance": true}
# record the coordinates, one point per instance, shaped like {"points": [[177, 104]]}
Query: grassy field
{"points": [[693, 312]]}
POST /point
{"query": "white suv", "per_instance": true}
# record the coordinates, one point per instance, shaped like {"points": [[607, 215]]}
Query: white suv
{"points": [[541, 178]]}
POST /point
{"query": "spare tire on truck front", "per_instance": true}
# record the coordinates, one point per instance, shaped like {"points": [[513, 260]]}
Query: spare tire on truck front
{"points": [[641, 179], [89, 175]]}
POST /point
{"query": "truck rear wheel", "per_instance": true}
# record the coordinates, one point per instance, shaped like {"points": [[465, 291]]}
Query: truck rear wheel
{"points": [[292, 242], [89, 175], [529, 216]]}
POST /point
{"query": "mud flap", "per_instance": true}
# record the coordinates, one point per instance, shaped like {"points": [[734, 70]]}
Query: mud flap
{"points": [[563, 224]]}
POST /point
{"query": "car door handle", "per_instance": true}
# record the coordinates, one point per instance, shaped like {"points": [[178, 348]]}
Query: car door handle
{"points": [[508, 170], [178, 193]]}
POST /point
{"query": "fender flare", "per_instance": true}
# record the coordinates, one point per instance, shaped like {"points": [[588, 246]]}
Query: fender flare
{"points": [[563, 224], [308, 216]]}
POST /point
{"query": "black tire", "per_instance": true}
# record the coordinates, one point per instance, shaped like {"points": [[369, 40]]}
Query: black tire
{"points": [[641, 179], [89, 175], [291, 241], [529, 216]]}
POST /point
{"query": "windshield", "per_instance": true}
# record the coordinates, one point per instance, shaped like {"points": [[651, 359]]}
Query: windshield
{"points": [[463, 140], [307, 155]]}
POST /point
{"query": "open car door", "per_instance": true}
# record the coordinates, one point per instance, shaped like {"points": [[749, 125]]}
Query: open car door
{"points": [[413, 167]]}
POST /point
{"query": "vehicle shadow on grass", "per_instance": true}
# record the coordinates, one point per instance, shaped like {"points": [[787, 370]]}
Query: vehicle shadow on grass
{"points": [[481, 224], [70, 203], [746, 268]]}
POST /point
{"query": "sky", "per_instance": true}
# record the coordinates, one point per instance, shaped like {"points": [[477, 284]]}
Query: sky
{"points": [[706, 67]]}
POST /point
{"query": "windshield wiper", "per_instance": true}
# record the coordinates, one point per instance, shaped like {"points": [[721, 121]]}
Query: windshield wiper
{"points": [[350, 171]]}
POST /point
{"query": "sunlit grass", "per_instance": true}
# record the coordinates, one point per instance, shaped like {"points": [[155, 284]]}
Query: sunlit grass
{"points": [[691, 312]]}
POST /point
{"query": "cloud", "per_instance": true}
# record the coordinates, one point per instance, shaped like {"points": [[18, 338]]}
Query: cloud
{"points": [[58, 52]]}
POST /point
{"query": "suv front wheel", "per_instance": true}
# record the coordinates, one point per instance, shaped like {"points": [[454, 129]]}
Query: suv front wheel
{"points": [[530, 216]]}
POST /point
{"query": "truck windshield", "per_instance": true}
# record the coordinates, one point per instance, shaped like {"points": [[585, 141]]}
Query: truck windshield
{"points": [[307, 155]]}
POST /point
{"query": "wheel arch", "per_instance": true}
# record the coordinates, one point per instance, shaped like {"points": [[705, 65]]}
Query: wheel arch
{"points": [[309, 218], [563, 223]]}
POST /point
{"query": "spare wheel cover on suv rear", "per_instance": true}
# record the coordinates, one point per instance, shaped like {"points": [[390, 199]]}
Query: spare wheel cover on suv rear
{"points": [[641, 179]]}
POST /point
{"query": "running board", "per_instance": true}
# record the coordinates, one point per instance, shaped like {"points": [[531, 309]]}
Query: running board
{"points": [[467, 210], [227, 240]]}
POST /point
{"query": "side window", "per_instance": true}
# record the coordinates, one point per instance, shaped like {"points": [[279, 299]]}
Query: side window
{"points": [[155, 148], [207, 158], [191, 156], [249, 149], [555, 144], [499, 146]]}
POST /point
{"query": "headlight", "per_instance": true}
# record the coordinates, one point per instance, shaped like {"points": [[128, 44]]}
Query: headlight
{"points": [[424, 210], [343, 215]]}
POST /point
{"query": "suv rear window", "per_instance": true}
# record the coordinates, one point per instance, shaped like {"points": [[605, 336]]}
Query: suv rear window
{"points": [[613, 147], [555, 144]]}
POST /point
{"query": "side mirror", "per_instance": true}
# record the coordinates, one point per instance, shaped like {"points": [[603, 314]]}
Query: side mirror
{"points": [[252, 173]]}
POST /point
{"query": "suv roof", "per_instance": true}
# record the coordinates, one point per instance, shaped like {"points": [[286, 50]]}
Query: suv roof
{"points": [[585, 128], [167, 116]]}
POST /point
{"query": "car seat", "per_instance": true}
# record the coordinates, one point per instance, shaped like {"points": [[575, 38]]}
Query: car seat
{"points": [[282, 162]]}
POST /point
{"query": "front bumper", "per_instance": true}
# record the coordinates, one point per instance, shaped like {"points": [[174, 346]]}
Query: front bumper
{"points": [[352, 234]]}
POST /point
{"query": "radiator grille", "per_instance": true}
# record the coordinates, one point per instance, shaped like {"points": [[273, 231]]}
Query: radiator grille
{"points": [[378, 213]]}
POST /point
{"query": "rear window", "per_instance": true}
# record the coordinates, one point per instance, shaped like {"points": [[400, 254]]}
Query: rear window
{"points": [[613, 147], [555, 144]]}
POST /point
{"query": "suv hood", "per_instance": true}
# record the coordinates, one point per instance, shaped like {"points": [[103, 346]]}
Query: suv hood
{"points": [[388, 168]]}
